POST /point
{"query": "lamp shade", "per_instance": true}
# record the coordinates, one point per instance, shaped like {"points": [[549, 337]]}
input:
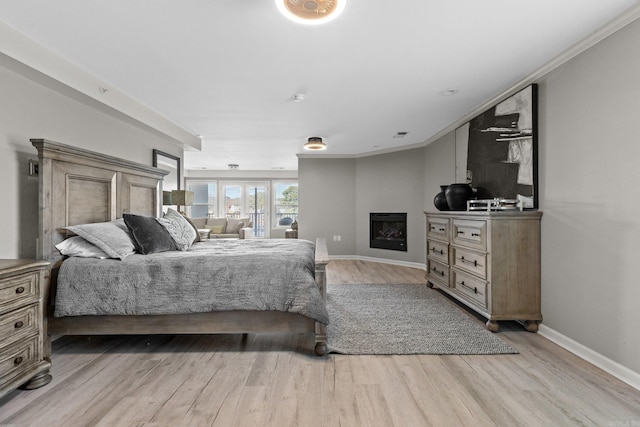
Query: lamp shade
{"points": [[181, 197], [166, 198]]}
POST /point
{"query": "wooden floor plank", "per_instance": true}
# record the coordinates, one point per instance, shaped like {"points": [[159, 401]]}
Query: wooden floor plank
{"points": [[275, 380]]}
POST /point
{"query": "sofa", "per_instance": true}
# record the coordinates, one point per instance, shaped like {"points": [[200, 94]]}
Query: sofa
{"points": [[224, 228]]}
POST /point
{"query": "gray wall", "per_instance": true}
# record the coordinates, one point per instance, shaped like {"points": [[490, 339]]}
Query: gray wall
{"points": [[589, 170], [327, 202], [392, 183], [30, 109], [337, 195], [589, 175]]}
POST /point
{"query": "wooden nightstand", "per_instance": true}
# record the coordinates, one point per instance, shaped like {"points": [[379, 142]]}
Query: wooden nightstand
{"points": [[25, 351]]}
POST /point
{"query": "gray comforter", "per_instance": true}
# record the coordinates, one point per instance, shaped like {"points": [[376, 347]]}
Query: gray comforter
{"points": [[214, 275]]}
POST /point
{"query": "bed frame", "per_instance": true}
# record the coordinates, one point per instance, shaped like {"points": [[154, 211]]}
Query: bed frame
{"points": [[78, 186]]}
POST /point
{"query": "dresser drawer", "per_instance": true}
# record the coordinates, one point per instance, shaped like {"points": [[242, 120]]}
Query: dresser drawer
{"points": [[438, 251], [18, 358], [18, 290], [18, 323], [438, 228], [470, 287], [438, 272], [469, 261], [470, 233]]}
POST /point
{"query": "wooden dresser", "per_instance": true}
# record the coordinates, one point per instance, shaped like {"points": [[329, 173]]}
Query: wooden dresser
{"points": [[24, 346], [490, 261]]}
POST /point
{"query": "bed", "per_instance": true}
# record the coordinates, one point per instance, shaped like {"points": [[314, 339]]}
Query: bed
{"points": [[78, 186]]}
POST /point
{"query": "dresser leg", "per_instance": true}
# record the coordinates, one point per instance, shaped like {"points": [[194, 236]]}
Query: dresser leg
{"points": [[492, 325], [531, 325], [38, 381]]}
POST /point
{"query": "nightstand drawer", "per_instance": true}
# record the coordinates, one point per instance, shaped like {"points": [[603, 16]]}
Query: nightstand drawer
{"points": [[18, 323], [438, 228], [438, 272], [472, 288], [471, 262], [17, 358], [438, 251], [18, 290], [472, 234]]}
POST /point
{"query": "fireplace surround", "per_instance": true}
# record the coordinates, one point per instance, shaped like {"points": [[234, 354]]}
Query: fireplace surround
{"points": [[388, 231]]}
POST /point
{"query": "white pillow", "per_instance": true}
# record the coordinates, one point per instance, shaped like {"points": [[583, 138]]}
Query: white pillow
{"points": [[180, 230], [77, 246], [112, 237]]}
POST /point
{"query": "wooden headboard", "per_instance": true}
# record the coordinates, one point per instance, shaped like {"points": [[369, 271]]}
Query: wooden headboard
{"points": [[78, 186]]}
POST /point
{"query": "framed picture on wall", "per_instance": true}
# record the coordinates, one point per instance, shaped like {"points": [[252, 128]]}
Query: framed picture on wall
{"points": [[500, 150]]}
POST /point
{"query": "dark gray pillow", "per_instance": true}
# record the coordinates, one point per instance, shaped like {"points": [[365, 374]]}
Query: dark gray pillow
{"points": [[148, 235]]}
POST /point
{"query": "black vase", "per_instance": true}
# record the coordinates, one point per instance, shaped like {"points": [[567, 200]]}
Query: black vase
{"points": [[457, 196], [440, 201]]}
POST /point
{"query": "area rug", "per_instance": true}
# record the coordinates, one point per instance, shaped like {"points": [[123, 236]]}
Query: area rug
{"points": [[403, 319]]}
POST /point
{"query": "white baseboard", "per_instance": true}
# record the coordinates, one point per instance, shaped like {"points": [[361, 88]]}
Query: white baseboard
{"points": [[614, 368], [381, 260]]}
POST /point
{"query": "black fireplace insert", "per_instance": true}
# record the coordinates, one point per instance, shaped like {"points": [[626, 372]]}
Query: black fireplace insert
{"points": [[388, 231]]}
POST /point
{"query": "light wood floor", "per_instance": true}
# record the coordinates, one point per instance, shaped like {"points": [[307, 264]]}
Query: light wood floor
{"points": [[274, 380]]}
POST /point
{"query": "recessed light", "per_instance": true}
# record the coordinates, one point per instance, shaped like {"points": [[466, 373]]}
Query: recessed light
{"points": [[449, 92]]}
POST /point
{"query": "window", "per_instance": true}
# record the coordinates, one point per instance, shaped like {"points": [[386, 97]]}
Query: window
{"points": [[285, 203], [204, 198]]}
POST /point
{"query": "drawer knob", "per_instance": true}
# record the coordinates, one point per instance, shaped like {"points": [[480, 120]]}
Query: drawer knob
{"points": [[19, 324], [20, 290], [17, 360]]}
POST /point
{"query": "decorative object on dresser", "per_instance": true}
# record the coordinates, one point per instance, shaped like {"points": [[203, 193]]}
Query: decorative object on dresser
{"points": [[440, 200], [457, 196], [24, 347], [489, 261]]}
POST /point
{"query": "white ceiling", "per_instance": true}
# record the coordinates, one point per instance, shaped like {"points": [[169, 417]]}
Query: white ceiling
{"points": [[227, 69]]}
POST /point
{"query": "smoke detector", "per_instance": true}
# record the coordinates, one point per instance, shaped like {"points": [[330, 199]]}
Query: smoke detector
{"points": [[311, 12]]}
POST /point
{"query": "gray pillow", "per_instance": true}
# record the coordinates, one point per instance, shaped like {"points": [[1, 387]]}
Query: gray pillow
{"points": [[148, 235], [182, 233], [111, 237]]}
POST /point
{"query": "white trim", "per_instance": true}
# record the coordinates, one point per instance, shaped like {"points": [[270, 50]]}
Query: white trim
{"points": [[74, 79], [619, 22], [610, 366], [381, 260]]}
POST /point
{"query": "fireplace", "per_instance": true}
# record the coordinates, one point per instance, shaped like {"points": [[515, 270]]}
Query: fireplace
{"points": [[388, 231]]}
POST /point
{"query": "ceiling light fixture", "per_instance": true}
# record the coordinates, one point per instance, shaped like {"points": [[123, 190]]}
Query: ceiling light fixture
{"points": [[311, 12], [315, 143]]}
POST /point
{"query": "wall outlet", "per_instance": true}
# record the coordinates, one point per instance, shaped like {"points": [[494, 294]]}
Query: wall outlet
{"points": [[337, 238]]}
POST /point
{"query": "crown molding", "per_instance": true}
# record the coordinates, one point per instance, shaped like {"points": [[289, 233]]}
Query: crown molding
{"points": [[37, 62]]}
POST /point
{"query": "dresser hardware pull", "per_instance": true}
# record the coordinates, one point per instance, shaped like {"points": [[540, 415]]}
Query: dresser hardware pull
{"points": [[475, 290], [19, 324], [475, 262], [442, 229], [20, 290], [475, 234], [460, 232], [17, 360]]}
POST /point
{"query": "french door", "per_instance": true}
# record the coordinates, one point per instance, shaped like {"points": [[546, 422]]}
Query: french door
{"points": [[246, 199]]}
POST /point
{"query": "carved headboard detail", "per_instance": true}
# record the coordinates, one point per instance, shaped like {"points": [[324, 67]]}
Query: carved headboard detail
{"points": [[78, 186]]}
